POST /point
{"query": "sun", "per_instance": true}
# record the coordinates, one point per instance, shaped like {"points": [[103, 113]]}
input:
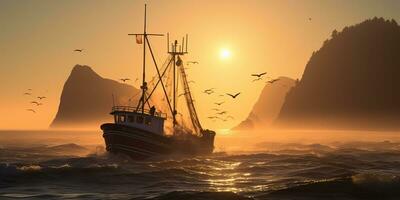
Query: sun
{"points": [[224, 53]]}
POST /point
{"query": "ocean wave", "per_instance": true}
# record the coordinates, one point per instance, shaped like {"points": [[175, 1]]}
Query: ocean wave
{"points": [[345, 173], [195, 195], [359, 186]]}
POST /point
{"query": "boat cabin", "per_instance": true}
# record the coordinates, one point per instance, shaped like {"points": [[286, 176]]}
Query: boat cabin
{"points": [[149, 120]]}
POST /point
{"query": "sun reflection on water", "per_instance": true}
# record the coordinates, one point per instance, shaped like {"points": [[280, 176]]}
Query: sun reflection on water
{"points": [[227, 177]]}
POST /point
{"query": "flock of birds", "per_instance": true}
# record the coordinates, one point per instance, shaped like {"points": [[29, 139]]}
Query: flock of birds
{"points": [[38, 102], [39, 99], [223, 114], [220, 114]]}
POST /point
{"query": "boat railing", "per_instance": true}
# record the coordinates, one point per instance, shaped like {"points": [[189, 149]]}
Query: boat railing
{"points": [[135, 110]]}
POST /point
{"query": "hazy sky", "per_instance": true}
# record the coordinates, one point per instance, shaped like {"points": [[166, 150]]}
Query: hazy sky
{"points": [[37, 38]]}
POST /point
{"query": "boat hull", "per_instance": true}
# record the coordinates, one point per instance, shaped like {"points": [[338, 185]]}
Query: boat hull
{"points": [[140, 144]]}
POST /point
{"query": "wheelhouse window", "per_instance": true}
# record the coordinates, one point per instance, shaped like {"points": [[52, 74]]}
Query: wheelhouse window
{"points": [[131, 118], [139, 119], [147, 121], [121, 118]]}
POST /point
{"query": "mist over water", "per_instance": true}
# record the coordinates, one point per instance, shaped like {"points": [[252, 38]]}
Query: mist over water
{"points": [[256, 165]]}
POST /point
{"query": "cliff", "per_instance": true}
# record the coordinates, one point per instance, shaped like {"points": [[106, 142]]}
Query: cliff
{"points": [[352, 82], [268, 105], [86, 99]]}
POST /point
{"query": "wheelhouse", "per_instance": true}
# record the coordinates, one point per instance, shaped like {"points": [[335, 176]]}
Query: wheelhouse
{"points": [[149, 120]]}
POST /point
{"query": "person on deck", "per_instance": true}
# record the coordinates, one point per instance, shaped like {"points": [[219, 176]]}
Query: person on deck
{"points": [[152, 110]]}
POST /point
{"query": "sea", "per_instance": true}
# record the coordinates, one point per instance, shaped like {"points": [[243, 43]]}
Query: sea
{"points": [[60, 164]]}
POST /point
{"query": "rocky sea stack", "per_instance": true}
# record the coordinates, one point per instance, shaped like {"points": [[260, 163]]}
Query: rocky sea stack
{"points": [[87, 98], [353, 81]]}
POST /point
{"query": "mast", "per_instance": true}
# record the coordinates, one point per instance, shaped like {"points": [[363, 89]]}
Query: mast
{"points": [[175, 52], [144, 84], [144, 40], [174, 85]]}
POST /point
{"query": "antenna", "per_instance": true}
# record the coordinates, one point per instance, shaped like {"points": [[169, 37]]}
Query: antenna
{"points": [[113, 101], [167, 42], [186, 42], [182, 45]]}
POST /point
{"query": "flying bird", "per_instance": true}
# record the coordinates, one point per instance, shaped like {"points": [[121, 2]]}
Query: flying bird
{"points": [[42, 97], [35, 102], [222, 113], [216, 109], [209, 91], [192, 62], [233, 96], [31, 110], [125, 79], [29, 89], [273, 81], [27, 93], [219, 103], [309, 19], [257, 79], [259, 75], [78, 50]]}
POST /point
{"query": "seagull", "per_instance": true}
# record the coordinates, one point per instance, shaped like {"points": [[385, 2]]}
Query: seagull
{"points": [[233, 96], [42, 97], [221, 95], [257, 79], [216, 109], [220, 103], [35, 102], [125, 79], [29, 89], [273, 81], [309, 19], [31, 110], [78, 50], [259, 75], [192, 62], [27, 93], [208, 92], [222, 113]]}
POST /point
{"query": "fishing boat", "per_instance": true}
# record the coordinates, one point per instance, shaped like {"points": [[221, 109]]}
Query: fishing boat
{"points": [[159, 127]]}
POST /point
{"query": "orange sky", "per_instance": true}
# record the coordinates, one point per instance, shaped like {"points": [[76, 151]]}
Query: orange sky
{"points": [[38, 37]]}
